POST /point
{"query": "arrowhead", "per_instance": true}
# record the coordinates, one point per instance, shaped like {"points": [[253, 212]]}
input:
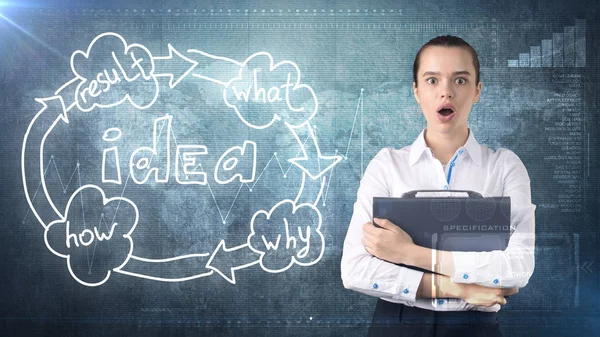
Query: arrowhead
{"points": [[68, 93], [587, 266], [307, 165], [176, 76], [312, 162], [222, 261], [53, 102], [216, 263]]}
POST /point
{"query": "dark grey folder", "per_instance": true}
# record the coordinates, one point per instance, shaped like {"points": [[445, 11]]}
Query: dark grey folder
{"points": [[447, 223]]}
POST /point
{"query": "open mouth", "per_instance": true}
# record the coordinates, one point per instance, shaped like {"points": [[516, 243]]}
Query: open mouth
{"points": [[445, 111]]}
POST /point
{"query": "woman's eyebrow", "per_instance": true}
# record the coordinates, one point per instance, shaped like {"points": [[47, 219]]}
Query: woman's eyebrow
{"points": [[462, 72]]}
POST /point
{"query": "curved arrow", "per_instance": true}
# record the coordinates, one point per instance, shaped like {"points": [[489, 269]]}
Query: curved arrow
{"points": [[224, 261], [52, 112]]}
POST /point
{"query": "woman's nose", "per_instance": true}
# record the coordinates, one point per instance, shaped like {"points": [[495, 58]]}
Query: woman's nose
{"points": [[446, 90]]}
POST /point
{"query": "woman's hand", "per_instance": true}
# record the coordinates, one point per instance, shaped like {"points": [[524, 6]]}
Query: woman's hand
{"points": [[484, 296], [389, 243]]}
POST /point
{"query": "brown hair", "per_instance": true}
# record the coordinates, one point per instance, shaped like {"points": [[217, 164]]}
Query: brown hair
{"points": [[447, 41]]}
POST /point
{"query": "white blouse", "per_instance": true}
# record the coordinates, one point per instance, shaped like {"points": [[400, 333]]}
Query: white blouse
{"points": [[473, 167]]}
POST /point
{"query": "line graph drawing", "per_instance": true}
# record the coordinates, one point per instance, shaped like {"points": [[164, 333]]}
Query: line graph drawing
{"points": [[358, 115]]}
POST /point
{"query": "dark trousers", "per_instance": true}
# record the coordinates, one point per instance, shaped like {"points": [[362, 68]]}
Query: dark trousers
{"points": [[391, 319]]}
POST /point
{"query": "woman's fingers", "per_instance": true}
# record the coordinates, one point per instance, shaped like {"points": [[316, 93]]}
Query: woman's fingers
{"points": [[369, 228], [370, 231], [506, 293], [385, 223], [369, 244], [488, 297]]}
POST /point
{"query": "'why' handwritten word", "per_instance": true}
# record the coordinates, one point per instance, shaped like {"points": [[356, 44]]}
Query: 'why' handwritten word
{"points": [[290, 240]]}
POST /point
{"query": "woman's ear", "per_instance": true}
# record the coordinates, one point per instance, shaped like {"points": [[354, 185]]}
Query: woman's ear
{"points": [[477, 92], [416, 93]]}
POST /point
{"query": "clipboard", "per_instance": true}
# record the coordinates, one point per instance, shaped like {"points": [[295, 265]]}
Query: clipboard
{"points": [[450, 223]]}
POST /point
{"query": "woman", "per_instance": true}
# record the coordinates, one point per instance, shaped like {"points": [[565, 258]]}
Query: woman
{"points": [[464, 297]]}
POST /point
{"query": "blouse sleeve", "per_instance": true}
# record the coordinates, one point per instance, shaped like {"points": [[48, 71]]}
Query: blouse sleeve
{"points": [[512, 267], [360, 270]]}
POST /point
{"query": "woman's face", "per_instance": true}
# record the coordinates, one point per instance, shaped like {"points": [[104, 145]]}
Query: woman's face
{"points": [[446, 88]]}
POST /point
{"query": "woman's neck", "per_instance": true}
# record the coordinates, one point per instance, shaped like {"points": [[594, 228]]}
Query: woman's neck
{"points": [[444, 145]]}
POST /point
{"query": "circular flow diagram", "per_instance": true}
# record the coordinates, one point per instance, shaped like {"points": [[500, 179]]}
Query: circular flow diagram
{"points": [[109, 73]]}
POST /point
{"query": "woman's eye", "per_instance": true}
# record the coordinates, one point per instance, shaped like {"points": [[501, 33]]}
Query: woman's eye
{"points": [[461, 80], [431, 80]]}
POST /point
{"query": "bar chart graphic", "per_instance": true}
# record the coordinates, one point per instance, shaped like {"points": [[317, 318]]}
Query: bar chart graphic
{"points": [[563, 49]]}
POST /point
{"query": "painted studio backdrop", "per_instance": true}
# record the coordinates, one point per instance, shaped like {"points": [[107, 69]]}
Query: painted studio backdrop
{"points": [[171, 166]]}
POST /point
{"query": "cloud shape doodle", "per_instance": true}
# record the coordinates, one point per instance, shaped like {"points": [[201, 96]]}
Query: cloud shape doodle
{"points": [[111, 71], [287, 234], [264, 92], [95, 234]]}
